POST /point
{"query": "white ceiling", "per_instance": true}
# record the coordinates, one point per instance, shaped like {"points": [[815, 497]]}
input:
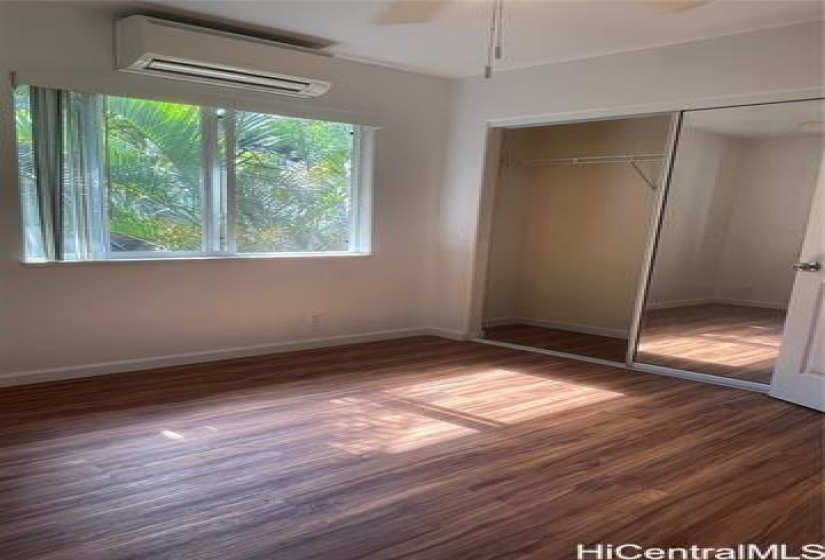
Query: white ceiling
{"points": [[535, 32], [762, 121]]}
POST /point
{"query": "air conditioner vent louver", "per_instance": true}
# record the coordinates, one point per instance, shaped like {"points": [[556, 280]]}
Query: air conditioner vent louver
{"points": [[235, 78], [184, 52]]}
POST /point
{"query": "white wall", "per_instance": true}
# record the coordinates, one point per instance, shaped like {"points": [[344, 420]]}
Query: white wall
{"points": [[694, 230], [781, 63], [774, 186], [71, 315], [735, 219], [568, 241]]}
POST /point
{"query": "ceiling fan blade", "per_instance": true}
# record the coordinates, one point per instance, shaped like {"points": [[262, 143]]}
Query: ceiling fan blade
{"points": [[673, 6], [409, 11]]}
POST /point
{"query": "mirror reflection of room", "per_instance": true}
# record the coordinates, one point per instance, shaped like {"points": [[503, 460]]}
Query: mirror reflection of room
{"points": [[572, 210], [736, 213]]}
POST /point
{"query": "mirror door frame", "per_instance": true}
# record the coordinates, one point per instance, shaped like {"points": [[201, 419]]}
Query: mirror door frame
{"points": [[654, 231], [650, 258]]}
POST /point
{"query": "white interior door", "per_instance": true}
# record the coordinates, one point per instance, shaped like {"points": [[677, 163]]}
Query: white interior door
{"points": [[799, 376]]}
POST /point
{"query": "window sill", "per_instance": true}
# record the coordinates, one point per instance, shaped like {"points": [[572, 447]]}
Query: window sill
{"points": [[201, 258]]}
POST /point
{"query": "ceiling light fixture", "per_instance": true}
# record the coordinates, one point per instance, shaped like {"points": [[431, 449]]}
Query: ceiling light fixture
{"points": [[494, 45]]}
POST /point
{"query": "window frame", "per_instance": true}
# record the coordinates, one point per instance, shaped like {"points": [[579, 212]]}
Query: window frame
{"points": [[218, 191]]}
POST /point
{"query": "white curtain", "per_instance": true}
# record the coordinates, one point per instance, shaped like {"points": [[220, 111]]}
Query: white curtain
{"points": [[67, 146]]}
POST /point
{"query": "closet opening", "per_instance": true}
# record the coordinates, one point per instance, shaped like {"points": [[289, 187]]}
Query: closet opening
{"points": [[571, 218]]}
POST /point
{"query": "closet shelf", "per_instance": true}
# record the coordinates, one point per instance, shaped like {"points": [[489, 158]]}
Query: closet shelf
{"points": [[633, 159], [624, 158]]}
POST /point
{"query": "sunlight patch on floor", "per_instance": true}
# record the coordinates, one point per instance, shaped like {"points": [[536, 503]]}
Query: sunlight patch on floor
{"points": [[369, 426], [422, 414], [169, 434], [505, 396], [722, 351]]}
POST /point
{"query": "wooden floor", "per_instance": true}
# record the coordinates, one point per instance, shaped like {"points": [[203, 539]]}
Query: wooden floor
{"points": [[422, 448], [727, 340], [581, 344]]}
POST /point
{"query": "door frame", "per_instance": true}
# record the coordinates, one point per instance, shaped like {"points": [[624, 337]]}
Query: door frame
{"points": [[490, 178]]}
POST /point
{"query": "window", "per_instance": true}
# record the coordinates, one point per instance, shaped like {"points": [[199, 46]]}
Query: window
{"points": [[106, 177]]}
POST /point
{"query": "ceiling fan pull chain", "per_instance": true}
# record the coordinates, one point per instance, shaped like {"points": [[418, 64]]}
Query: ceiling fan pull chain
{"points": [[491, 45], [500, 23]]}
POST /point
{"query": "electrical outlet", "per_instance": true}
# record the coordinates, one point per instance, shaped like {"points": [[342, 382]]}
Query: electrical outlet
{"points": [[315, 319]]}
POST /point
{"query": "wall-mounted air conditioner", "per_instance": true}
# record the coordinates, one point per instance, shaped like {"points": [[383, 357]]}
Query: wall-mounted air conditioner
{"points": [[147, 45]]}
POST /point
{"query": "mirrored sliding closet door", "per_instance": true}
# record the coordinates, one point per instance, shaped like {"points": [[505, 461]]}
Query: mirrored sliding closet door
{"points": [[734, 219], [571, 221]]}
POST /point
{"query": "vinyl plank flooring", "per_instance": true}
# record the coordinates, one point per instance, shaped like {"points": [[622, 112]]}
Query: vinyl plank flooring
{"points": [[735, 341], [421, 448]]}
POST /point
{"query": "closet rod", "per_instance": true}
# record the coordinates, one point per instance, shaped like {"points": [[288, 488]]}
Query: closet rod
{"points": [[625, 158]]}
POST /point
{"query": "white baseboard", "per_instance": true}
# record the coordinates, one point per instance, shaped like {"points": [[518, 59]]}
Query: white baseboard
{"points": [[586, 329], [574, 327], [498, 321], [121, 366], [678, 303], [719, 301], [445, 333], [751, 303]]}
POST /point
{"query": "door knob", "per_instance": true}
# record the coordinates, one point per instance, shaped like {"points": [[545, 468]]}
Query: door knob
{"points": [[811, 266]]}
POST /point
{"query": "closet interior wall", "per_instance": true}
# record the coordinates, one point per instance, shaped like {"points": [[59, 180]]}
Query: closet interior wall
{"points": [[568, 239]]}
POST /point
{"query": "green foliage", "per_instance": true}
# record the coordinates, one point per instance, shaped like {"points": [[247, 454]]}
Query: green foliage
{"points": [[292, 178], [23, 121], [155, 182], [293, 184]]}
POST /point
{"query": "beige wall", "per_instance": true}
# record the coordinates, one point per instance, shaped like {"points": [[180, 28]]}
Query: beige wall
{"points": [[506, 245], [774, 190], [735, 219], [695, 219], [568, 241]]}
